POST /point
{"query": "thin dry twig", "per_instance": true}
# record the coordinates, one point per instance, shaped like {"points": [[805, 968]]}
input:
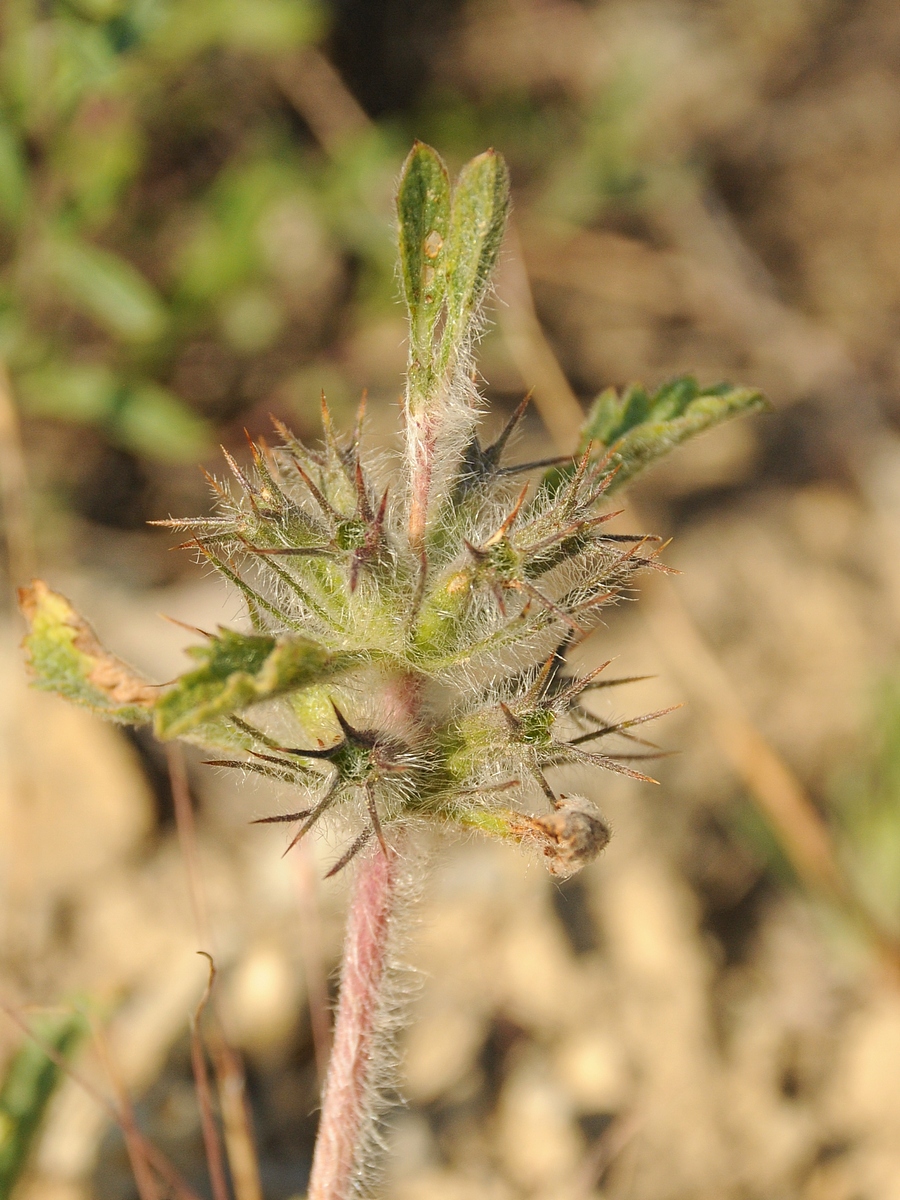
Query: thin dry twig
{"points": [[237, 1124], [315, 89], [778, 793], [532, 353], [211, 1141], [240, 1144], [144, 1180], [187, 837], [604, 1152]]}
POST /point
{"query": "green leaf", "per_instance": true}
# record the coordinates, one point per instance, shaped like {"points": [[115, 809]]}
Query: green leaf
{"points": [[238, 670], [153, 421], [639, 427], [83, 392], [477, 221], [13, 177], [140, 415], [254, 26], [423, 217], [108, 288], [28, 1086], [65, 657]]}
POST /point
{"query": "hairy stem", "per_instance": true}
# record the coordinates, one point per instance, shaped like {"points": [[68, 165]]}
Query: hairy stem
{"points": [[347, 1108]]}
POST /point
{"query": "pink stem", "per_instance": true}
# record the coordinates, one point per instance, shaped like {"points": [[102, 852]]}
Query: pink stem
{"points": [[346, 1107]]}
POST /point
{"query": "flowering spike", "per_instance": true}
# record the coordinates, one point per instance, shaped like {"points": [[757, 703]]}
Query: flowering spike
{"points": [[392, 605]]}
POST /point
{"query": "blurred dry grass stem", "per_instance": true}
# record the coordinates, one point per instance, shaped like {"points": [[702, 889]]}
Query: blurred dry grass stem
{"points": [[21, 558], [316, 90], [531, 351]]}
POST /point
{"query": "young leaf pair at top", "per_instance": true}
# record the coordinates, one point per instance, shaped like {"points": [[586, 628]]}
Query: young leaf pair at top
{"points": [[448, 247], [407, 657]]}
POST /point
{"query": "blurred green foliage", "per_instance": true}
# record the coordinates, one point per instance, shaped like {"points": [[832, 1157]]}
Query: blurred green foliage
{"points": [[153, 194], [175, 246], [27, 1088]]}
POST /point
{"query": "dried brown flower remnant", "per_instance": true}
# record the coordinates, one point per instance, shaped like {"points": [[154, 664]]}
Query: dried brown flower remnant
{"points": [[570, 837]]}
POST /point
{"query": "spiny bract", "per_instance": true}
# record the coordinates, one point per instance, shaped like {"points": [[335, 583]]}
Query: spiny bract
{"points": [[409, 633]]}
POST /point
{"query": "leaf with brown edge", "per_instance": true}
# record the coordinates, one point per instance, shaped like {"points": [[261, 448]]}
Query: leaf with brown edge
{"points": [[237, 670], [65, 657]]}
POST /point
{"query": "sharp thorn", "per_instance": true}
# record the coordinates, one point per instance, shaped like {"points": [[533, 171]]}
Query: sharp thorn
{"points": [[360, 417], [184, 625], [351, 853], [376, 820], [282, 818], [497, 447], [363, 505], [314, 814]]}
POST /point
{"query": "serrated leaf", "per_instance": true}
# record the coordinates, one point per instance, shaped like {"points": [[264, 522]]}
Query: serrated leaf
{"points": [[65, 657], [639, 427], [29, 1083], [238, 670], [423, 223], [477, 220]]}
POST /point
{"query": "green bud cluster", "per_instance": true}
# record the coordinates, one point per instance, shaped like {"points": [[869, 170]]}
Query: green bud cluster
{"points": [[410, 627]]}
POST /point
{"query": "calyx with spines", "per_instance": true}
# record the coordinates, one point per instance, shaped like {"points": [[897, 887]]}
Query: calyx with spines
{"points": [[406, 641]]}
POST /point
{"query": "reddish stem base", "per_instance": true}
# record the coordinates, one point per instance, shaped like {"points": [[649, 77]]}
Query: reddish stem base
{"points": [[346, 1107]]}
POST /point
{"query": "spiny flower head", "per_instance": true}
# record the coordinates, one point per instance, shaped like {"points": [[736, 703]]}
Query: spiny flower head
{"points": [[410, 625]]}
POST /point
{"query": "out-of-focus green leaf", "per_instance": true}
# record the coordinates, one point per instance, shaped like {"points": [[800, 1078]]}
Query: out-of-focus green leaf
{"points": [[27, 1088], [423, 221], [65, 657], [99, 10], [97, 157], [152, 421], [106, 287], [51, 64], [224, 252], [13, 177], [239, 670], [263, 27], [639, 427], [80, 392], [478, 219], [141, 416], [251, 319]]}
